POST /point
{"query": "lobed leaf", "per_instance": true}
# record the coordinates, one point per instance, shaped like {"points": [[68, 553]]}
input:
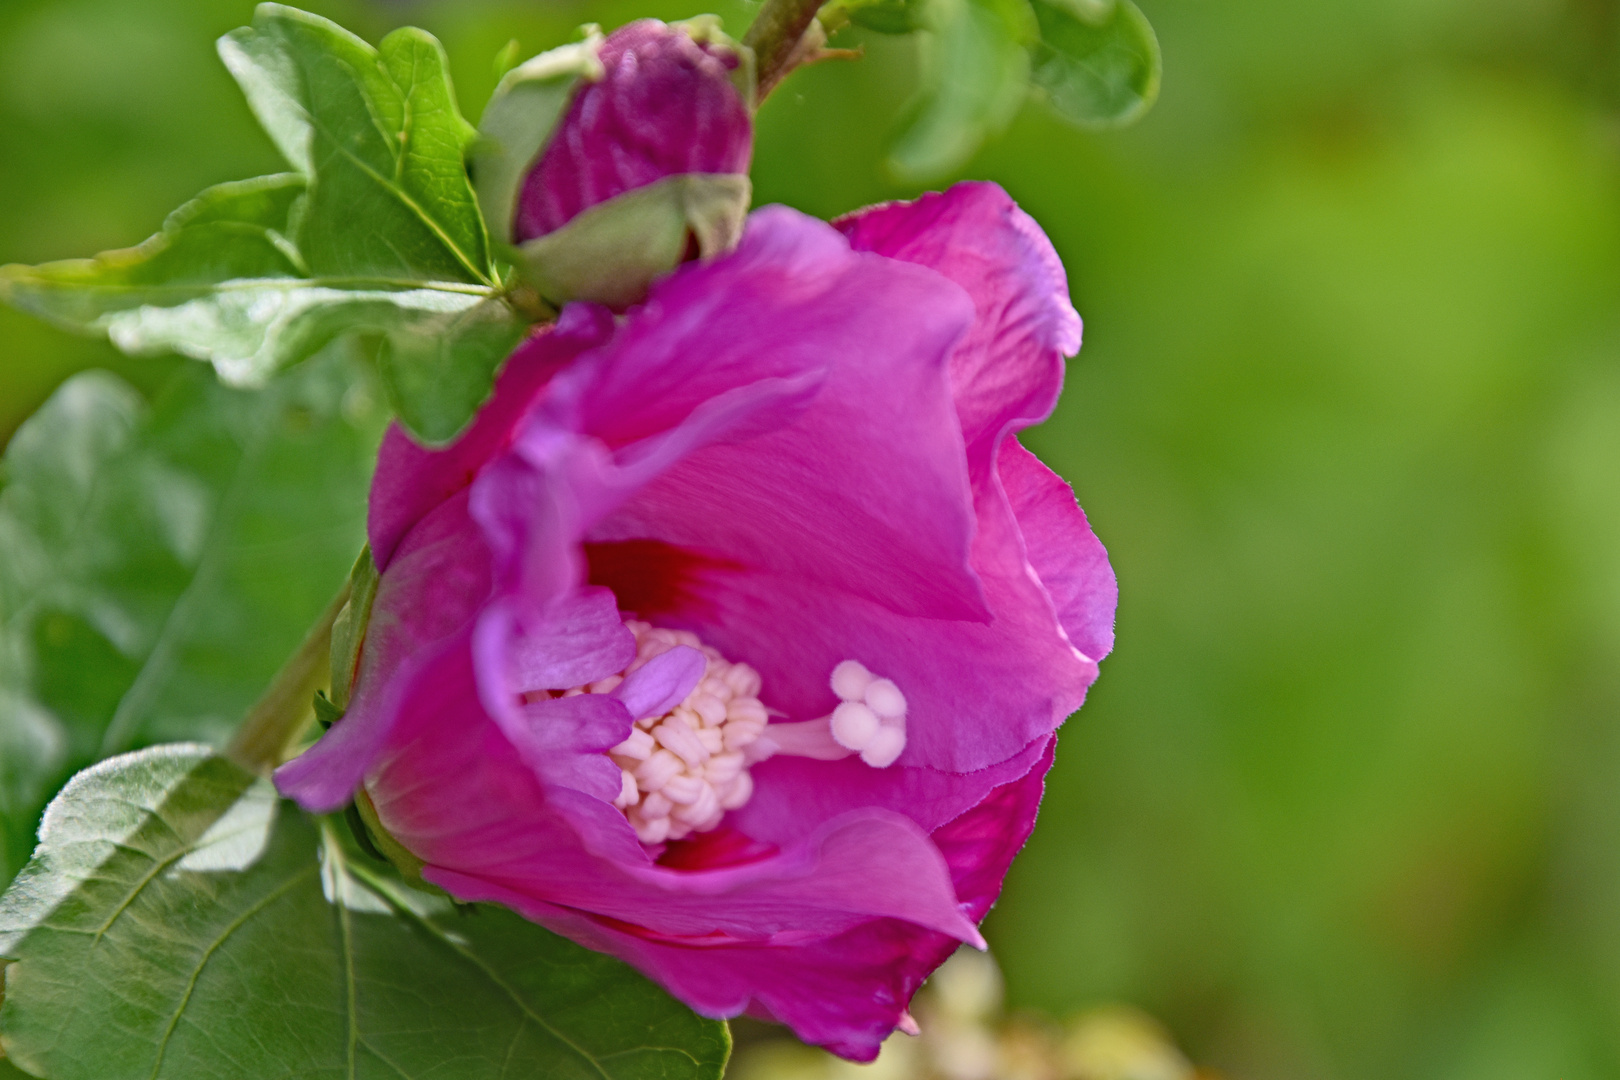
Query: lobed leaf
{"points": [[1098, 61], [180, 922], [377, 134], [377, 233], [161, 562]]}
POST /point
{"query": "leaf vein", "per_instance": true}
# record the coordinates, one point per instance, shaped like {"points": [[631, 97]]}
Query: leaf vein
{"points": [[477, 961], [409, 203], [196, 973]]}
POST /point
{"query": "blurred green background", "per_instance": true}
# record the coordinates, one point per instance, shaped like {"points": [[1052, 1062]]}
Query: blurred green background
{"points": [[1346, 801]]}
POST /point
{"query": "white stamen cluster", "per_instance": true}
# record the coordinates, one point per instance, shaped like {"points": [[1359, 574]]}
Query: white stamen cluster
{"points": [[683, 769], [871, 716]]}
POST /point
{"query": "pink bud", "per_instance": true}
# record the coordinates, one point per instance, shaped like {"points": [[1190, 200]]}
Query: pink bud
{"points": [[665, 105]]}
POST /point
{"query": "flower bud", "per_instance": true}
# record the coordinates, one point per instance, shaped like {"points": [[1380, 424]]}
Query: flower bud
{"points": [[665, 105], [610, 162]]}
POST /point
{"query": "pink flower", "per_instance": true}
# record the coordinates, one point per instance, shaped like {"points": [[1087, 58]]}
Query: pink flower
{"points": [[665, 105], [793, 471]]}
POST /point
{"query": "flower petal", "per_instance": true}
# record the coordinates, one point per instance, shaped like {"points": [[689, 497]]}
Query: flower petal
{"points": [[565, 742], [1071, 561], [432, 591], [411, 480], [1008, 371], [846, 992], [662, 682], [866, 491], [576, 639], [980, 845], [794, 796]]}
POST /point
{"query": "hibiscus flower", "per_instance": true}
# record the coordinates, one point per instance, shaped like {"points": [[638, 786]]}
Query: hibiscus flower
{"points": [[733, 637]]}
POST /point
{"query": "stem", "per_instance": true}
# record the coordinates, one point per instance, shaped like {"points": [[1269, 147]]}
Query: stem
{"points": [[775, 36], [278, 717]]}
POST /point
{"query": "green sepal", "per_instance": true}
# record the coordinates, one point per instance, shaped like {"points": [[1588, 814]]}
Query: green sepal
{"points": [[519, 119], [506, 59], [709, 30], [408, 865], [349, 628], [326, 713], [612, 252]]}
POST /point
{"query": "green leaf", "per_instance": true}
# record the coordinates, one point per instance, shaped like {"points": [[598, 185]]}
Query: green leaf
{"points": [[378, 135], [161, 562], [442, 347], [378, 233], [179, 921], [34, 749], [889, 16], [232, 232], [976, 71], [1098, 61], [438, 363]]}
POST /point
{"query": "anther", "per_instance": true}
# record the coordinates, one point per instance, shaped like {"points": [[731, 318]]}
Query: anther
{"points": [[684, 766]]}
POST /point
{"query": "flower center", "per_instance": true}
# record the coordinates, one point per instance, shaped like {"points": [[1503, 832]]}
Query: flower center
{"points": [[681, 769]]}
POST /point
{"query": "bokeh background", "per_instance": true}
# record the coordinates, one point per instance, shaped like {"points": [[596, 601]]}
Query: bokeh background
{"points": [[1346, 801]]}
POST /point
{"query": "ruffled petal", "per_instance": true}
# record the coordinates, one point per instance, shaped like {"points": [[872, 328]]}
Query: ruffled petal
{"points": [[565, 742], [845, 992], [580, 638], [1008, 371], [662, 682], [866, 492], [1066, 554], [432, 591]]}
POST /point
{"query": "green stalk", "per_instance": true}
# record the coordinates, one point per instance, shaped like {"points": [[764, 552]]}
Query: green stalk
{"points": [[279, 717], [775, 37]]}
